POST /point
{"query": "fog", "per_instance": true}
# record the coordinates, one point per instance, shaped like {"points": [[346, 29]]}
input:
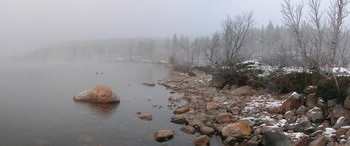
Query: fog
{"points": [[29, 25]]}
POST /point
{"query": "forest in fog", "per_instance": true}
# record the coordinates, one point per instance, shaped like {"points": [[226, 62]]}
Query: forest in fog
{"points": [[304, 40]]}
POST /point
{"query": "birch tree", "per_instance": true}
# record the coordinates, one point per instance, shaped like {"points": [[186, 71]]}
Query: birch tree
{"points": [[336, 15], [292, 18], [315, 16]]}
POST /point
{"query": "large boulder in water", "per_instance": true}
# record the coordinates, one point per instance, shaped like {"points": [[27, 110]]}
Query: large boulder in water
{"points": [[98, 94]]}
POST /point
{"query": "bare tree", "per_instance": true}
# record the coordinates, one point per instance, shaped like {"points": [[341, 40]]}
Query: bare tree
{"points": [[233, 38], [343, 46], [212, 46], [292, 18], [336, 15], [315, 16]]}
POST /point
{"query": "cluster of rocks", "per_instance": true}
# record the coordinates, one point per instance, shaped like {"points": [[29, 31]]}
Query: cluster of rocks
{"points": [[244, 116]]}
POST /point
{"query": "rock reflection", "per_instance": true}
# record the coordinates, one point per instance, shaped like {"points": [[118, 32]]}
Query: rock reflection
{"points": [[100, 110]]}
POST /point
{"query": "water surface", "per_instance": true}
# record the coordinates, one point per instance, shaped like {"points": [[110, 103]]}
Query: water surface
{"points": [[37, 106]]}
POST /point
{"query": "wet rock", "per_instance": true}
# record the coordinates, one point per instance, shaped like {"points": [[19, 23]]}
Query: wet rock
{"points": [[223, 117], [191, 74], [219, 99], [212, 106], [219, 80], [289, 115], [304, 141], [237, 129], [302, 126], [163, 135], [195, 122], [315, 115], [252, 142], [235, 110], [342, 121], [201, 140], [289, 127], [179, 119], [310, 101], [230, 141], [170, 85], [293, 102], [146, 117], [316, 133], [342, 131], [98, 94], [272, 128], [336, 113], [213, 112], [180, 110], [347, 100], [320, 103], [151, 84], [243, 91], [188, 129], [198, 72], [279, 117], [275, 139], [205, 130], [319, 141], [301, 110]]}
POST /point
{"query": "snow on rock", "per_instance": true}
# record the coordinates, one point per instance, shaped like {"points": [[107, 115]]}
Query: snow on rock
{"points": [[329, 132], [282, 122], [294, 136]]}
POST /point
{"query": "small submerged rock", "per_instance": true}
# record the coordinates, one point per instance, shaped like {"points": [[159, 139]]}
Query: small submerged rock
{"points": [[98, 94], [151, 84], [146, 117], [163, 135]]}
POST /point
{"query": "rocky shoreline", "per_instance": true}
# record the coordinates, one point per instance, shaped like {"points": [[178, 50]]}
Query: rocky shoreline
{"points": [[244, 116]]}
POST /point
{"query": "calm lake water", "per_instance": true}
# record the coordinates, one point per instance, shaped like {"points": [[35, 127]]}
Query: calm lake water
{"points": [[37, 107]]}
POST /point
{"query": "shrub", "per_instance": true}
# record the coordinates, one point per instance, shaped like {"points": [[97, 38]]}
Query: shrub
{"points": [[327, 88]]}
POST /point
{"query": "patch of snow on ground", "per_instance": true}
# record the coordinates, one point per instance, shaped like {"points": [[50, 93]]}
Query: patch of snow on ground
{"points": [[267, 70], [262, 103]]}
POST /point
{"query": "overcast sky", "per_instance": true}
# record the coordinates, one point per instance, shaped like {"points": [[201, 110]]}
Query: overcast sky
{"points": [[26, 25]]}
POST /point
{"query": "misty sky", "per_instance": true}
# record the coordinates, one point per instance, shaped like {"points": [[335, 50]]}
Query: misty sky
{"points": [[31, 24]]}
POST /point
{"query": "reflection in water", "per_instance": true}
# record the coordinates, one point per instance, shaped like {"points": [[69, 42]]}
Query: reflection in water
{"points": [[103, 111]]}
